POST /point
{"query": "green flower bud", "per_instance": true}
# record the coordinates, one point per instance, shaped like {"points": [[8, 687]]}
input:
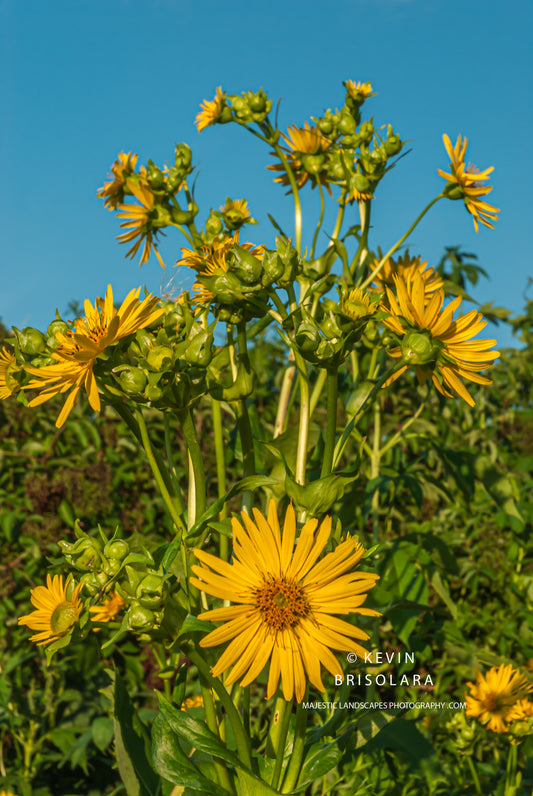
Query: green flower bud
{"points": [[200, 349], [94, 582], [140, 618], [418, 348], [245, 266], [258, 102], [214, 224], [313, 164], [393, 145], [157, 356], [31, 341], [184, 217], [347, 124], [361, 183], [155, 177], [112, 567], [53, 329], [174, 179], [183, 156], [453, 190], [145, 340], [307, 337], [118, 549], [272, 268], [131, 379], [153, 393], [326, 125], [151, 591], [366, 131]]}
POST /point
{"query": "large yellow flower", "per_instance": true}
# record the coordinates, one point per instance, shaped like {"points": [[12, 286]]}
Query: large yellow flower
{"points": [[469, 181], [8, 366], [285, 602], [493, 699], [440, 347], [141, 221], [102, 326], [55, 612], [108, 609], [305, 145], [211, 110], [113, 191], [407, 267]]}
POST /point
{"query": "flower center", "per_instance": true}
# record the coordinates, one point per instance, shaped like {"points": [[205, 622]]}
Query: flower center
{"points": [[64, 616], [281, 603]]}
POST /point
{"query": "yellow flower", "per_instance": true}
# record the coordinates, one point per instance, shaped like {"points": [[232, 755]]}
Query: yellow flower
{"points": [[121, 169], [303, 143], [493, 698], [358, 91], [469, 182], [407, 267], [236, 213], [139, 221], [102, 326], [8, 366], [439, 346], [192, 702], [286, 602], [358, 196], [55, 612], [6, 793], [109, 609], [211, 110], [356, 304]]}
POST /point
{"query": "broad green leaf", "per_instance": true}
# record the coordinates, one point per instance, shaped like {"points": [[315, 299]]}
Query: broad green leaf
{"points": [[250, 785], [320, 759], [319, 496], [443, 593], [102, 732]]}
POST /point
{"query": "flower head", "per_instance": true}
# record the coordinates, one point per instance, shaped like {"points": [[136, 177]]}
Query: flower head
{"points": [[305, 154], [493, 699], [143, 221], [440, 347], [356, 304], [114, 190], [407, 267], [192, 702], [55, 612], [8, 366], [466, 182], [358, 91], [285, 601], [102, 326], [108, 609], [211, 111]]}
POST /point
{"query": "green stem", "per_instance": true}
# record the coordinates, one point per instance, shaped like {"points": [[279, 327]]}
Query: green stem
{"points": [[283, 724], [331, 421], [317, 390], [221, 470], [293, 770], [223, 776], [296, 197], [401, 431], [320, 219], [398, 243], [303, 431], [284, 397], [338, 220], [475, 777], [139, 427], [195, 454], [510, 773], [362, 249], [243, 421], [241, 738], [374, 469], [171, 465]]}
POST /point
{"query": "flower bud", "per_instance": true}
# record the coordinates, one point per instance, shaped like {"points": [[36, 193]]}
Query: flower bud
{"points": [[157, 356], [360, 183], [307, 337], [258, 102], [131, 379], [155, 177], [94, 582], [151, 591], [118, 549], [313, 164], [366, 131], [418, 348], [214, 224], [54, 328], [184, 217], [245, 266], [140, 618], [347, 124], [272, 268], [31, 341], [200, 349], [153, 393], [183, 156], [145, 341]]}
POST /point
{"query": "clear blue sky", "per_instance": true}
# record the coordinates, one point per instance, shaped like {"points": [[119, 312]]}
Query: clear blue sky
{"points": [[85, 79]]}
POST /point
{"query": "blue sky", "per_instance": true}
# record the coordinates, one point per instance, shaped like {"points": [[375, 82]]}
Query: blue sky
{"points": [[85, 79]]}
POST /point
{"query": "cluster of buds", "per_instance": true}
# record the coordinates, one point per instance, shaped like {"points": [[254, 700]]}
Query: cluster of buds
{"points": [[327, 338], [249, 107], [229, 218], [165, 364]]}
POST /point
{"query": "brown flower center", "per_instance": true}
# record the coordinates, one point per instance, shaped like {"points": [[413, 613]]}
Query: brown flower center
{"points": [[281, 603]]}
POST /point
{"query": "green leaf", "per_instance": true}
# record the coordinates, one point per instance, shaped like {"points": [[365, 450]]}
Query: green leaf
{"points": [[102, 732], [319, 496], [319, 759], [171, 762], [443, 593], [132, 746], [500, 486], [250, 785]]}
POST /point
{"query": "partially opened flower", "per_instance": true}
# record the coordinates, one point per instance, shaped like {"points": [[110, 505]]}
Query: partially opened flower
{"points": [[113, 191], [407, 267], [143, 221], [8, 366], [57, 609], [466, 182], [211, 111], [305, 155], [109, 609], [286, 602], [494, 698], [440, 347], [102, 326], [358, 91]]}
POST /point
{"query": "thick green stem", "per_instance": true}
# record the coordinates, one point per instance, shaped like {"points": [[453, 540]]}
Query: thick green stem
{"points": [[172, 471], [320, 219], [475, 778], [338, 220], [243, 422], [283, 724], [221, 470], [284, 396], [317, 389], [510, 774], [362, 249], [375, 466], [195, 454], [223, 776], [331, 421], [241, 738], [293, 769], [296, 197], [303, 431], [398, 243]]}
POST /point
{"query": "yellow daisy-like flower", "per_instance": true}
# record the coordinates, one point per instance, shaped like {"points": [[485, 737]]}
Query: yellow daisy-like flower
{"points": [[122, 168], [407, 267], [211, 111], [102, 326], [55, 612], [236, 213], [356, 304], [139, 221], [109, 609], [494, 697], [469, 181], [358, 196], [358, 91], [286, 602], [8, 366], [192, 702], [302, 142], [6, 793], [440, 347]]}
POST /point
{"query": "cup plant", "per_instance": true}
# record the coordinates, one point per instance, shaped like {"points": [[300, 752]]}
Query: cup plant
{"points": [[252, 610]]}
